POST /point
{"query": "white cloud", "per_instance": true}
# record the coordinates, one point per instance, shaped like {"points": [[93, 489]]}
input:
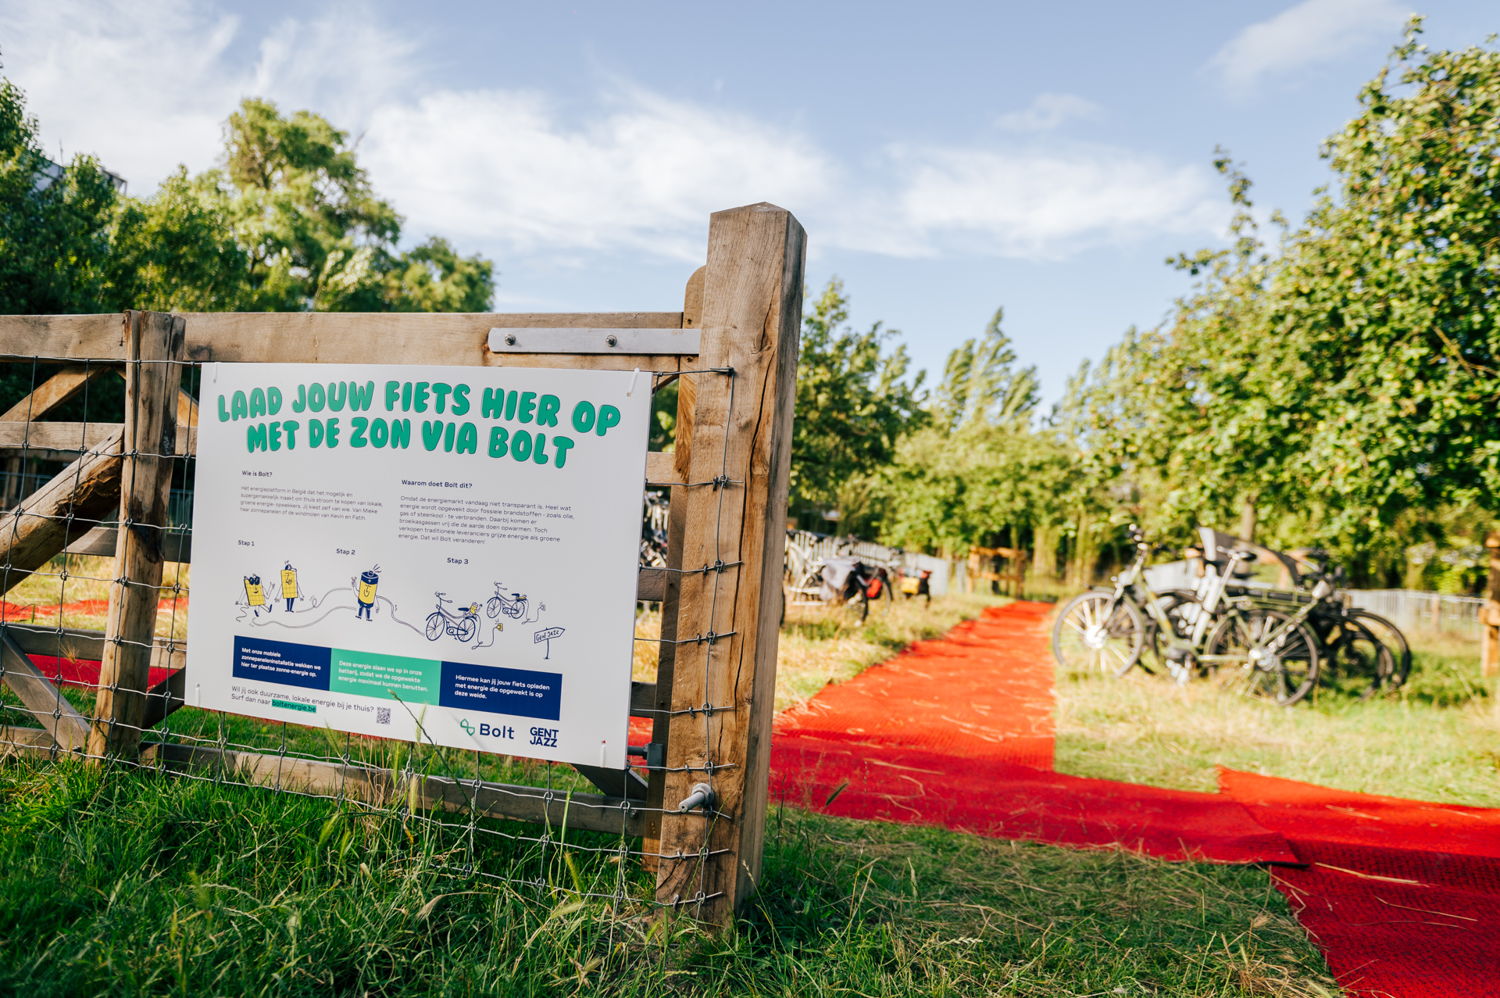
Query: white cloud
{"points": [[1311, 32], [643, 172], [1048, 112], [139, 84], [146, 84], [1032, 204]]}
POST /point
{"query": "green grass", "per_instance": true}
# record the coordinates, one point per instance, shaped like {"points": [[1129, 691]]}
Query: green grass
{"points": [[1437, 738], [129, 883], [820, 646]]}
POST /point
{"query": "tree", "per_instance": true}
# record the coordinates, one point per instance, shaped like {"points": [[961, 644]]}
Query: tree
{"points": [[289, 222], [981, 383], [979, 471], [855, 399], [1343, 385], [55, 222]]}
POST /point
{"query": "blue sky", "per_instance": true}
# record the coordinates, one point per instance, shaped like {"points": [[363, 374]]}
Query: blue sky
{"points": [[945, 158]]}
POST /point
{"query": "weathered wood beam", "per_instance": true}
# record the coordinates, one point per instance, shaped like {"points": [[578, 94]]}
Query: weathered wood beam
{"points": [[176, 545], [661, 468], [374, 786], [752, 302], [383, 787], [323, 337], [73, 437], [153, 376], [67, 728], [53, 392], [687, 403], [60, 512], [88, 645]]}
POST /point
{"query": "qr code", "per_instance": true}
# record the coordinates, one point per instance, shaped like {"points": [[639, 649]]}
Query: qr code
{"points": [[382, 715]]}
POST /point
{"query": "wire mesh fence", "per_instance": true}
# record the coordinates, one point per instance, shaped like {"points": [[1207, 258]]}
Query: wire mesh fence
{"points": [[96, 568], [1421, 611], [496, 818]]}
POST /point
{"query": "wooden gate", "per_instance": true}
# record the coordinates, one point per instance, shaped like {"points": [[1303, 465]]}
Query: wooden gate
{"points": [[732, 351]]}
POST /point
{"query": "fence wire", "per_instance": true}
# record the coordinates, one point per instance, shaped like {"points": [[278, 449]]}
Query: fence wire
{"points": [[54, 613]]}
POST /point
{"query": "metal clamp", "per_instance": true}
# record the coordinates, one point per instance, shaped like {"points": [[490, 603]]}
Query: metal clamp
{"points": [[702, 796]]}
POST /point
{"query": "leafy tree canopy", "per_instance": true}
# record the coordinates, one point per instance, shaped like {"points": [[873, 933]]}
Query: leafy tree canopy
{"points": [[287, 221], [855, 399]]}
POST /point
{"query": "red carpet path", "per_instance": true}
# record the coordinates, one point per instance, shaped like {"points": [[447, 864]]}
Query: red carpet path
{"points": [[1402, 896]]}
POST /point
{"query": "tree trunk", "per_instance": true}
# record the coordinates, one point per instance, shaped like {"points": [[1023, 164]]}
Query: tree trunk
{"points": [[1082, 571], [1489, 661], [1247, 519], [1043, 553]]}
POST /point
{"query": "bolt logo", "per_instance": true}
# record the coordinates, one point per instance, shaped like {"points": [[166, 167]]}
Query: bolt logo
{"points": [[487, 730]]}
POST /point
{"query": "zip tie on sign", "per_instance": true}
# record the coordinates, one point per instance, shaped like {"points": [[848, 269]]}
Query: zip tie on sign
{"points": [[636, 376]]}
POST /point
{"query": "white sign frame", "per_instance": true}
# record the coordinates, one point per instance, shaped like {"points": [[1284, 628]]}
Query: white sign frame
{"points": [[335, 502]]}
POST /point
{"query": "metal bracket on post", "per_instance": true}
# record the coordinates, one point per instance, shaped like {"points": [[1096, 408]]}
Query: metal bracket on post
{"points": [[646, 342], [655, 754]]}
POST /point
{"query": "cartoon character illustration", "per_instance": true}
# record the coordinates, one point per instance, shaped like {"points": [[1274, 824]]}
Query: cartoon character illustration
{"points": [[462, 623], [289, 586], [365, 594], [513, 606], [255, 595]]}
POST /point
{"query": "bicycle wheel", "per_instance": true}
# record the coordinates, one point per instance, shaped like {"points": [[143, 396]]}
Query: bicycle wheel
{"points": [[1389, 635], [435, 626], [1355, 661], [1096, 633], [1261, 654], [493, 606], [468, 626]]}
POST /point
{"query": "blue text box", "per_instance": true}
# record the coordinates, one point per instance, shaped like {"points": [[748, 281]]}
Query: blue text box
{"points": [[497, 690], [281, 662]]}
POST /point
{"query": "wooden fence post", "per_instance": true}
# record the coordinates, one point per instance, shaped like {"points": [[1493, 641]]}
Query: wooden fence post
{"points": [[153, 375], [724, 674], [1489, 614], [677, 514]]}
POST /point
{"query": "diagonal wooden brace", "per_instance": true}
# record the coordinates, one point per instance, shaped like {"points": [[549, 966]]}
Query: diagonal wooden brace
{"points": [[45, 702], [60, 512]]}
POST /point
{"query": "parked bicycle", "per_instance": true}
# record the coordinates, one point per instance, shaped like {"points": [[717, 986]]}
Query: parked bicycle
{"points": [[843, 582], [1109, 631], [512, 606], [1365, 650], [1258, 651], [461, 623], [653, 553]]}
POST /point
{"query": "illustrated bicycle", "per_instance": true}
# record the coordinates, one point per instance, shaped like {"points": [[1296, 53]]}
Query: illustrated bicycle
{"points": [[462, 623], [512, 606]]}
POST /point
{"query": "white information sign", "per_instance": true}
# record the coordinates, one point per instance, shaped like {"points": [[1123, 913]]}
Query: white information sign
{"points": [[438, 554]]}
